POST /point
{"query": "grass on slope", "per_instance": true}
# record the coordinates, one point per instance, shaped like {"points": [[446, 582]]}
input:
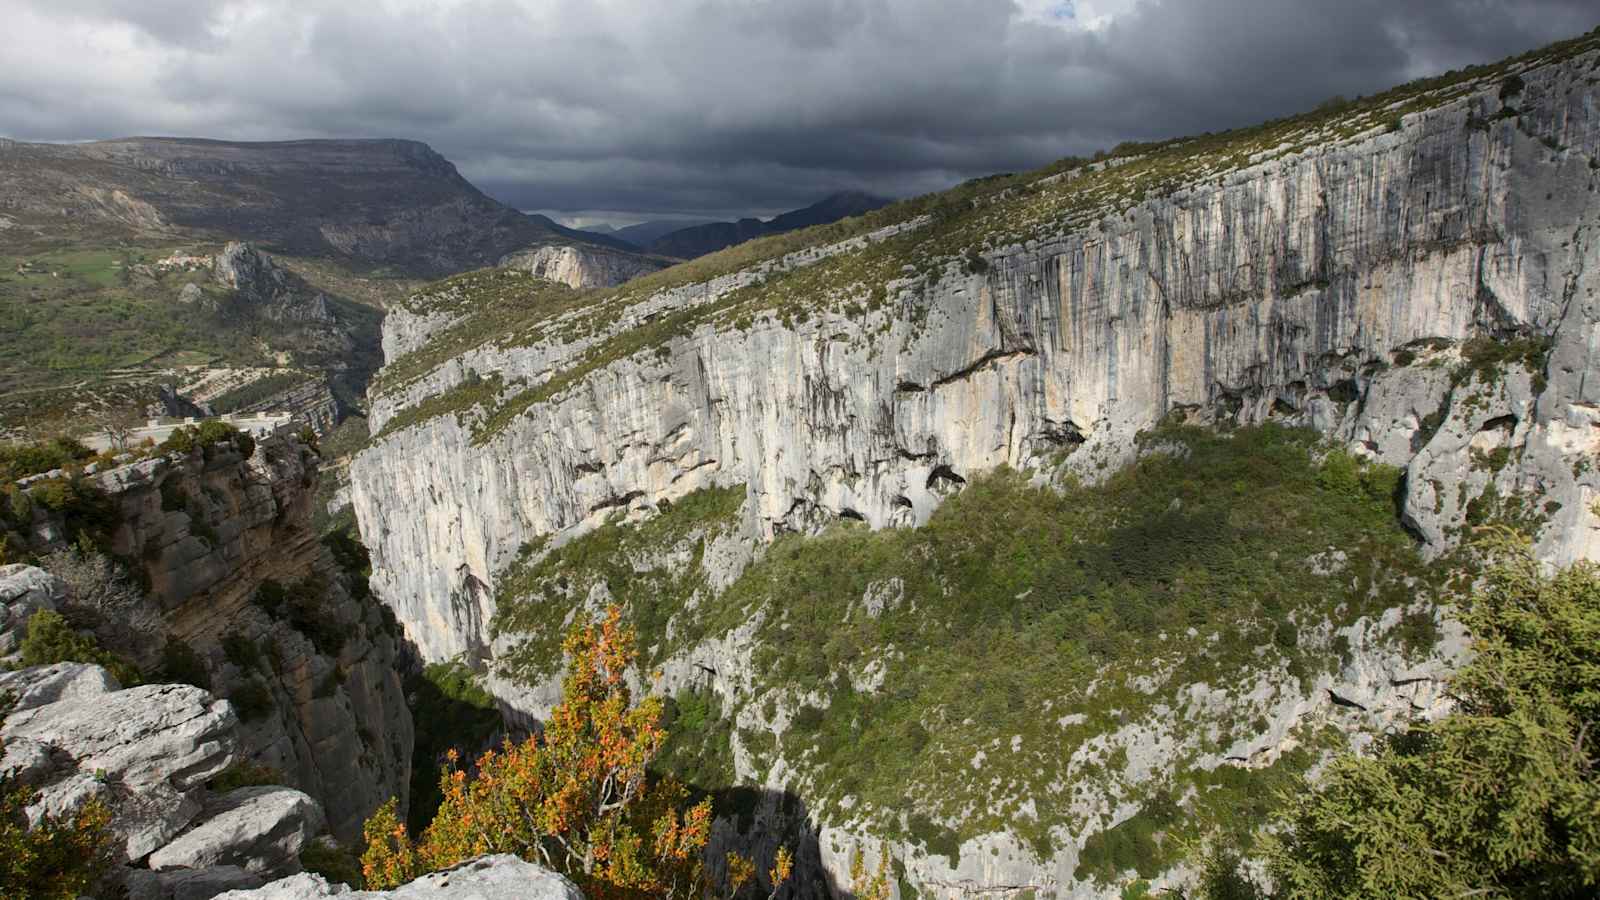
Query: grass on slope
{"points": [[1019, 622]]}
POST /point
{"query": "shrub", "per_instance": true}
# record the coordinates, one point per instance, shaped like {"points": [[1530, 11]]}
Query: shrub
{"points": [[179, 663], [241, 651], [252, 700], [333, 862], [1498, 798], [100, 594], [85, 510], [21, 460], [51, 640]]}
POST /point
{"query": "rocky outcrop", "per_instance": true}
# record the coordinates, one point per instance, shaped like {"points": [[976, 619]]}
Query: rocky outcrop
{"points": [[486, 878], [210, 531], [267, 291], [145, 752], [583, 266], [260, 830], [24, 590]]}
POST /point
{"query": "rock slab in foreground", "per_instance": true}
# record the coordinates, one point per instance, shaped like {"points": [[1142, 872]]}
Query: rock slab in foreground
{"points": [[146, 751], [258, 829], [501, 877]]}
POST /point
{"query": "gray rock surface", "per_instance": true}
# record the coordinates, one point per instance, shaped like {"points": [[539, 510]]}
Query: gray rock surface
{"points": [[486, 878], [24, 590], [146, 752], [258, 829], [43, 685], [188, 884]]}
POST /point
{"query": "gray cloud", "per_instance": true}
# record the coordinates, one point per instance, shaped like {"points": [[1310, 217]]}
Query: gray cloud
{"points": [[718, 106]]}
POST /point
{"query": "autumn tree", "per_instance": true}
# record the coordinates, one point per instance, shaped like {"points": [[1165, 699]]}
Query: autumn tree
{"points": [[580, 799]]}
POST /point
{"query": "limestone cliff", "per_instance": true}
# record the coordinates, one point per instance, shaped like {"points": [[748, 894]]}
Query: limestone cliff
{"points": [[583, 266], [1414, 277]]}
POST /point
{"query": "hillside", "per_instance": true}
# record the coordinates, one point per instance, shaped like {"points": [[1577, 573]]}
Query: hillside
{"points": [[99, 243], [1032, 529], [379, 202]]}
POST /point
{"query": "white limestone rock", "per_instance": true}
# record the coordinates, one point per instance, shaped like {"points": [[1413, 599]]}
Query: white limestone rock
{"points": [[583, 266], [42, 685], [258, 829], [24, 590], [145, 751]]}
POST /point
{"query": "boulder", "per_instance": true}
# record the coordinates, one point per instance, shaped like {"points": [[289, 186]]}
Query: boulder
{"points": [[42, 685], [501, 877], [258, 829], [24, 590], [146, 752]]}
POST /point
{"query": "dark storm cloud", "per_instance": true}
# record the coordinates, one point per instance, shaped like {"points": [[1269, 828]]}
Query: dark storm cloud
{"points": [[725, 105]]}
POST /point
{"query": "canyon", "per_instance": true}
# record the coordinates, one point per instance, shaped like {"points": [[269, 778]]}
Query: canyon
{"points": [[1411, 277]]}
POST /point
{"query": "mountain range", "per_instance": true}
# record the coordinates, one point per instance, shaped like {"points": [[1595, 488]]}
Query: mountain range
{"points": [[390, 203]]}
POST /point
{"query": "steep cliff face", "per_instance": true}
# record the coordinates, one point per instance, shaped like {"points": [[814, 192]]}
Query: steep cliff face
{"points": [[224, 544], [1414, 277], [583, 266]]}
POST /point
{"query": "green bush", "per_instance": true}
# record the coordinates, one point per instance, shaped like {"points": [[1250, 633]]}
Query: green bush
{"points": [[51, 640], [1501, 798], [206, 435], [252, 700], [21, 460], [335, 863], [242, 652], [85, 510], [179, 663]]}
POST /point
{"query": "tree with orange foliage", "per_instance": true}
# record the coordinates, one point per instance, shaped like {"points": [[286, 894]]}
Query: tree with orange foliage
{"points": [[579, 801]]}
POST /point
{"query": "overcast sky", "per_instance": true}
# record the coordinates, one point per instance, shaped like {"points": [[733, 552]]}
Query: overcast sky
{"points": [[623, 109]]}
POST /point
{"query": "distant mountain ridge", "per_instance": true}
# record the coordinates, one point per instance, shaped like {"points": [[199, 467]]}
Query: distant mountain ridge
{"points": [[642, 234], [385, 202], [698, 240]]}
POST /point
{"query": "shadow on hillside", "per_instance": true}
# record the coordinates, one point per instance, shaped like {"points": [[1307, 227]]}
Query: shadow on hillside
{"points": [[755, 822]]}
